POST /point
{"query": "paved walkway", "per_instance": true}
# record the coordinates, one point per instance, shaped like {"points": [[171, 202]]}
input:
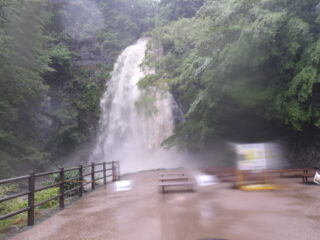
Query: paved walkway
{"points": [[215, 211]]}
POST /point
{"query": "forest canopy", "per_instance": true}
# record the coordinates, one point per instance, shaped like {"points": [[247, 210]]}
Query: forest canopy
{"points": [[55, 57], [242, 70]]}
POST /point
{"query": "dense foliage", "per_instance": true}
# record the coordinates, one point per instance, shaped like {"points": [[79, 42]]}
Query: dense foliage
{"points": [[241, 69], [55, 57], [171, 10]]}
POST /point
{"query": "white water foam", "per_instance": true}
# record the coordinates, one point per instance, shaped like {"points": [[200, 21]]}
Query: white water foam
{"points": [[129, 135]]}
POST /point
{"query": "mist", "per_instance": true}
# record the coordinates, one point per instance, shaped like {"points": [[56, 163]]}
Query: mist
{"points": [[82, 19]]}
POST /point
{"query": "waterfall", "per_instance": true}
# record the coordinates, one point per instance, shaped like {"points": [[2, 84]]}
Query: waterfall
{"points": [[134, 124]]}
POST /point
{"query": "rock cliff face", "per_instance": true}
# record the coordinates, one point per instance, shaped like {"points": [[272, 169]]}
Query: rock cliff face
{"points": [[304, 148], [91, 52], [70, 114]]}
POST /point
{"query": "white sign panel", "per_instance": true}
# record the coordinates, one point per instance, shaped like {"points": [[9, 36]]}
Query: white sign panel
{"points": [[251, 156]]}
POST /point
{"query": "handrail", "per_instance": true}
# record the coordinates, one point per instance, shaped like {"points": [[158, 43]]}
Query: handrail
{"points": [[100, 178], [86, 175], [79, 180], [86, 183], [47, 187], [98, 164], [71, 190], [46, 173], [14, 213], [10, 180], [13, 196], [71, 169], [47, 200], [71, 179]]}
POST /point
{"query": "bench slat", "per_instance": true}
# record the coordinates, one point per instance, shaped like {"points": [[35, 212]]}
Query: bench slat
{"points": [[175, 183], [173, 178], [172, 173]]}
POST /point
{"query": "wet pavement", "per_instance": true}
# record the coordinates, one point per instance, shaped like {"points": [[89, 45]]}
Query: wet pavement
{"points": [[211, 212]]}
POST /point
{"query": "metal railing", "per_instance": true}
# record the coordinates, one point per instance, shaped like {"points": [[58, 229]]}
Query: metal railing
{"points": [[79, 179]]}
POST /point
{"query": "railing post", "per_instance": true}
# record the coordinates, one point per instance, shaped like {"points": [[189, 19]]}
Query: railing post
{"points": [[31, 199], [61, 199], [113, 172], [118, 170], [80, 180], [104, 174], [92, 176]]}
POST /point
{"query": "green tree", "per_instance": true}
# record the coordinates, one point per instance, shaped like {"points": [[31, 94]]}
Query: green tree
{"points": [[239, 61]]}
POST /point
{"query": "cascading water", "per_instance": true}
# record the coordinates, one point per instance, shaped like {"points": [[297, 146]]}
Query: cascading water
{"points": [[132, 124]]}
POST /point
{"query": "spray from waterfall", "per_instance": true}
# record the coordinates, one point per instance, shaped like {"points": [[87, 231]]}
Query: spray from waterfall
{"points": [[132, 124], [82, 20]]}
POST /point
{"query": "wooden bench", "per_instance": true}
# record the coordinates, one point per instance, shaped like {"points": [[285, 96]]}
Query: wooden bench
{"points": [[172, 174], [307, 173], [170, 178], [289, 172], [188, 184], [174, 179]]}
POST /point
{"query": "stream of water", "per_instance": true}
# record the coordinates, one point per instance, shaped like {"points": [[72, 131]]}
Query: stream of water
{"points": [[132, 124]]}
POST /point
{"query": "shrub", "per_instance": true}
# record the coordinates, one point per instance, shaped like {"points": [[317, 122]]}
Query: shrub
{"points": [[68, 175]]}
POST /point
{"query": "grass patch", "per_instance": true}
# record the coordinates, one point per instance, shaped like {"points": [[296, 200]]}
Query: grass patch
{"points": [[12, 205]]}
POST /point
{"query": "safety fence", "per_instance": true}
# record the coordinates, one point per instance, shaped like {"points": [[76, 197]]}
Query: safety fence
{"points": [[85, 175]]}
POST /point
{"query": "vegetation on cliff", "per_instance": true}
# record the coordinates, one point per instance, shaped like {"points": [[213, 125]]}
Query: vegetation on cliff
{"points": [[241, 69], [56, 56]]}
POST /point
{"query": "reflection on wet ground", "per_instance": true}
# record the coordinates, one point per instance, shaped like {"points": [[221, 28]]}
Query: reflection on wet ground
{"points": [[214, 211]]}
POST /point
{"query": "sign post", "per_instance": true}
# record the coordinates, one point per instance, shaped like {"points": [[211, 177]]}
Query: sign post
{"points": [[252, 158]]}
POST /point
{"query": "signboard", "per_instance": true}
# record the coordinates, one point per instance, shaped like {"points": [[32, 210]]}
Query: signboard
{"points": [[251, 156]]}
